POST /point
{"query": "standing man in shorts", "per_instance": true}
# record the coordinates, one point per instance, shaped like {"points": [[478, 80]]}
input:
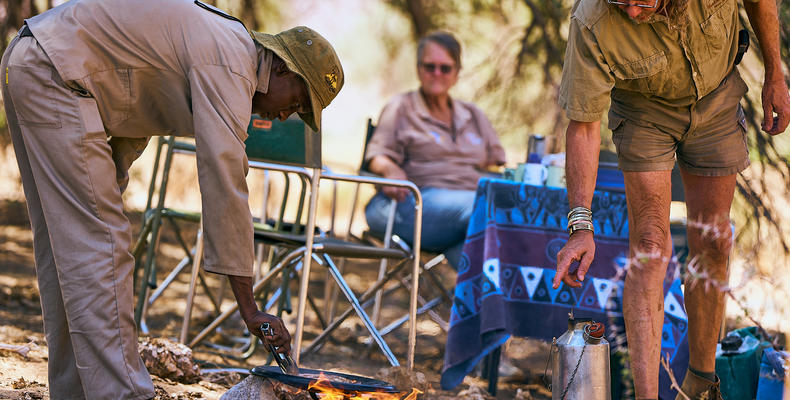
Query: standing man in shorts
{"points": [[669, 68], [85, 85]]}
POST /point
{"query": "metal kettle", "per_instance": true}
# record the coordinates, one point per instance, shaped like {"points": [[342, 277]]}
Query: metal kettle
{"points": [[580, 367], [536, 148]]}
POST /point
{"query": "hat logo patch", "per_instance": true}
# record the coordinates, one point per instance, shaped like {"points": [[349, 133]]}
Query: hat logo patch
{"points": [[331, 81]]}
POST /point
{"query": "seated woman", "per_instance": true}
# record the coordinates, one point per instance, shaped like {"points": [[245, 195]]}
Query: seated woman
{"points": [[441, 144]]}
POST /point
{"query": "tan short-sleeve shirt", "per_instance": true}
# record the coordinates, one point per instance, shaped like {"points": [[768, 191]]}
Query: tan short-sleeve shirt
{"points": [[607, 52], [432, 153]]}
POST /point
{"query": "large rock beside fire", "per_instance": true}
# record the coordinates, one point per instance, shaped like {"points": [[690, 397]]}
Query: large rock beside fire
{"points": [[251, 388], [169, 360], [259, 388]]}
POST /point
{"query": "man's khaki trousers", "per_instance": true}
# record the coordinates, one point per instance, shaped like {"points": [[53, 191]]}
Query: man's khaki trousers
{"points": [[81, 237]]}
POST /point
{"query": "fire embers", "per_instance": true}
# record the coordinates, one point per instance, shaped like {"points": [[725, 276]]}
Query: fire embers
{"points": [[322, 389], [257, 387]]}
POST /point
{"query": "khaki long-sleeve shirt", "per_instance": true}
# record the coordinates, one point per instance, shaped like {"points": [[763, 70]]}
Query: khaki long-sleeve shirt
{"points": [[168, 67], [608, 53]]}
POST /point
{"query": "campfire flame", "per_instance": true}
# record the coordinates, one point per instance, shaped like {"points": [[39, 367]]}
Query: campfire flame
{"points": [[323, 388]]}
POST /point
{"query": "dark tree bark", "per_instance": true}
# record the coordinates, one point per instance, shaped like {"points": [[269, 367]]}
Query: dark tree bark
{"points": [[420, 20]]}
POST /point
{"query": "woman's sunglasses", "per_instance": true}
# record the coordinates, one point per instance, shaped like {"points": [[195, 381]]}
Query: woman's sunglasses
{"points": [[431, 68]]}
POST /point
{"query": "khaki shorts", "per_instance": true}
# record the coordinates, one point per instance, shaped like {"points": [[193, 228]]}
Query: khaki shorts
{"points": [[708, 138]]}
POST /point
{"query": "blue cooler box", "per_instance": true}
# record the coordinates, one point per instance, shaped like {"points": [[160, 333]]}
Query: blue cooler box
{"points": [[771, 384]]}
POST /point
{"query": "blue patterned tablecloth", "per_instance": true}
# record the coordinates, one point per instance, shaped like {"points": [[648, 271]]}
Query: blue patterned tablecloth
{"points": [[504, 281]]}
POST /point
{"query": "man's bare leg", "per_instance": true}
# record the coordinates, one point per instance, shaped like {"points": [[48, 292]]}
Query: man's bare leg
{"points": [[649, 197], [708, 200]]}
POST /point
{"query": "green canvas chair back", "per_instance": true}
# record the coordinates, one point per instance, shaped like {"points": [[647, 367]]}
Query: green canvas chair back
{"points": [[289, 142]]}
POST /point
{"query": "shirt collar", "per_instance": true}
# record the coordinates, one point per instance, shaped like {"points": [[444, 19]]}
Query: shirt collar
{"points": [[264, 69], [655, 17], [460, 113]]}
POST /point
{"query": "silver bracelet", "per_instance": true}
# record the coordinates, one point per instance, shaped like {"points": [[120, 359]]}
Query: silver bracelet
{"points": [[580, 211], [574, 220], [581, 226]]}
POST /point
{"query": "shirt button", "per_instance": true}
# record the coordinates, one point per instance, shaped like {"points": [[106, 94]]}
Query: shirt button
{"points": [[694, 74]]}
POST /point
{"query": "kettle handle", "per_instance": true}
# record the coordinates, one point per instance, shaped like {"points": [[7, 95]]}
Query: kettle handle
{"points": [[546, 383]]}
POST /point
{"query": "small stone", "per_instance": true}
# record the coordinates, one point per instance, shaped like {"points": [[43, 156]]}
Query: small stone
{"points": [[474, 393], [403, 379], [523, 395]]}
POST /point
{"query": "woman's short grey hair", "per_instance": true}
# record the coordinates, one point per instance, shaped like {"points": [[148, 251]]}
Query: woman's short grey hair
{"points": [[444, 39]]}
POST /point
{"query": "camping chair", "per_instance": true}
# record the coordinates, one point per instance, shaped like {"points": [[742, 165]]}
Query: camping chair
{"points": [[148, 240], [389, 239], [297, 151]]}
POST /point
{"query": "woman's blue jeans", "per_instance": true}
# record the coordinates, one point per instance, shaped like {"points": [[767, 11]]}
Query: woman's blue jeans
{"points": [[445, 216]]}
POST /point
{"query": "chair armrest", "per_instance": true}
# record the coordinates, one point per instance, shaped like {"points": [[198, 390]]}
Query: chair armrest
{"points": [[280, 167], [376, 180]]}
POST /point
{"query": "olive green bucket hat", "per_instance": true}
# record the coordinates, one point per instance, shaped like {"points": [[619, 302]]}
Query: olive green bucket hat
{"points": [[309, 55]]}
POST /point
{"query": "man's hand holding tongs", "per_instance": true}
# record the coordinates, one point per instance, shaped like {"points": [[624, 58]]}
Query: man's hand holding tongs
{"points": [[283, 359], [278, 335]]}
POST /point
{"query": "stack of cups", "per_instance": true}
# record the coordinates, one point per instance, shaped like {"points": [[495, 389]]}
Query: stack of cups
{"points": [[555, 170]]}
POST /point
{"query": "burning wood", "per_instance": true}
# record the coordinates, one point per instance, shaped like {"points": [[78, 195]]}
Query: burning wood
{"points": [[324, 389], [257, 387], [285, 392]]}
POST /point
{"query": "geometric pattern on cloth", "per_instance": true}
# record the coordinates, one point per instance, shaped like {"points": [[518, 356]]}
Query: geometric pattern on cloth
{"points": [[508, 263]]}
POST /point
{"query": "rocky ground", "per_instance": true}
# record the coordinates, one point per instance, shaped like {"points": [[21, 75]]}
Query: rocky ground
{"points": [[23, 350]]}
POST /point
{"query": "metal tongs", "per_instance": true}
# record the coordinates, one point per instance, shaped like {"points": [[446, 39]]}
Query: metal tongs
{"points": [[283, 360]]}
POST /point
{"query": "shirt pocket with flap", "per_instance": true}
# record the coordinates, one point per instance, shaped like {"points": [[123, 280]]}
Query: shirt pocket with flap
{"points": [[112, 90], [645, 75], [422, 143], [713, 39]]}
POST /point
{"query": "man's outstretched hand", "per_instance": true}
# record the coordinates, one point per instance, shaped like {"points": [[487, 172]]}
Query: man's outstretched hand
{"points": [[775, 100], [580, 247]]}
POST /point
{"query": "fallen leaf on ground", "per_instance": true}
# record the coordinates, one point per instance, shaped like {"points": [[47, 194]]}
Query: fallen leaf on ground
{"points": [[21, 349]]}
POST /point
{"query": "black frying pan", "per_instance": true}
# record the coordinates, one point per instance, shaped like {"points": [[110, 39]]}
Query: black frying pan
{"points": [[358, 384]]}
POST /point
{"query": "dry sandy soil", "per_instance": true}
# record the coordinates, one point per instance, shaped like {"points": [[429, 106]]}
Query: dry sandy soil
{"points": [[23, 374]]}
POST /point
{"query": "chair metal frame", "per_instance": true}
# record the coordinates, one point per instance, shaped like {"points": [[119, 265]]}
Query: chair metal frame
{"points": [[388, 239], [145, 247], [307, 250], [148, 238]]}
